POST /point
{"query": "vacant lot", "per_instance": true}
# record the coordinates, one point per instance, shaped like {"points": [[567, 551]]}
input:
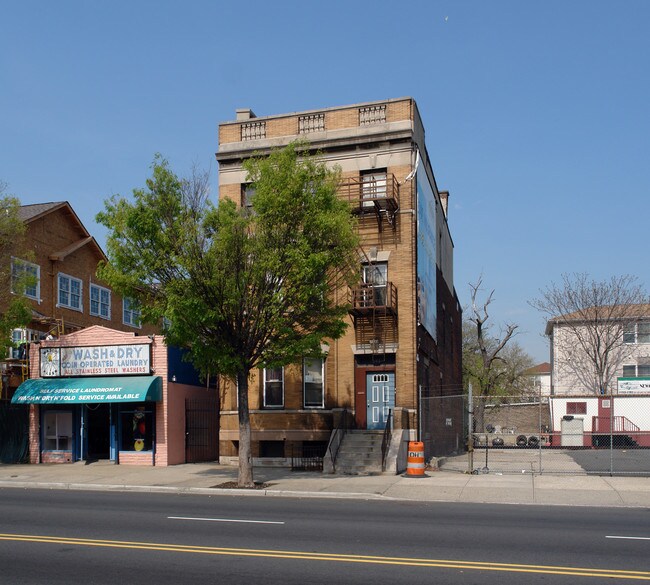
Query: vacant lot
{"points": [[578, 461]]}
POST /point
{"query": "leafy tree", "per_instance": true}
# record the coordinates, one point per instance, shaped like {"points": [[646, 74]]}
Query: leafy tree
{"points": [[494, 366], [241, 288], [14, 308], [587, 320]]}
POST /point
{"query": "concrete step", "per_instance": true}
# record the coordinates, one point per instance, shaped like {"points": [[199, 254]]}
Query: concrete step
{"points": [[360, 453]]}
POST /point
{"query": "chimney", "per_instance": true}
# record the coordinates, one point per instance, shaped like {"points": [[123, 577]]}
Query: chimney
{"points": [[444, 200], [245, 114]]}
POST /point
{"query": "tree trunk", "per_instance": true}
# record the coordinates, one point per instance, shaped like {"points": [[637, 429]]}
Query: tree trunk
{"points": [[245, 479]]}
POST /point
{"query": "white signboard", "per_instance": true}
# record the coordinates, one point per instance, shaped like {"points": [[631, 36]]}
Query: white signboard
{"points": [[634, 385], [103, 360]]}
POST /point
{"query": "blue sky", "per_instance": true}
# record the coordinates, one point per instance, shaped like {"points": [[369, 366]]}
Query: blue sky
{"points": [[537, 114]]}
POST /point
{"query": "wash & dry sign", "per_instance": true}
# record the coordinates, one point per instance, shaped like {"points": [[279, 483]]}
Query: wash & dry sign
{"points": [[104, 360]]}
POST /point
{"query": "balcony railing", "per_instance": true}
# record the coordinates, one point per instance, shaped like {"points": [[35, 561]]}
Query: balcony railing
{"points": [[371, 195], [367, 298]]}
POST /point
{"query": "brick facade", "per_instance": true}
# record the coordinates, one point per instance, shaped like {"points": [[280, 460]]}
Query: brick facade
{"points": [[61, 245], [362, 138], [170, 418]]}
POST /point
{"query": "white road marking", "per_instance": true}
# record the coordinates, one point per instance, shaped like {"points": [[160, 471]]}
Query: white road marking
{"points": [[630, 537], [223, 520]]}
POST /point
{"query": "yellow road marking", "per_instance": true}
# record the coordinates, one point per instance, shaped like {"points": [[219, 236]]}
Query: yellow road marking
{"points": [[335, 557]]}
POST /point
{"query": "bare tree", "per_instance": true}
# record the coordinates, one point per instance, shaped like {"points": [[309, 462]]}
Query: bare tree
{"points": [[485, 363], [586, 323]]}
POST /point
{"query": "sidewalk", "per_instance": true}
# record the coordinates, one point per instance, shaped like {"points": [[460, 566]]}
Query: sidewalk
{"points": [[437, 486]]}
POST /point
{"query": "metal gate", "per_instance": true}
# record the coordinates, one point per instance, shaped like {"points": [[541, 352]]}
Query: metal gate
{"points": [[201, 429]]}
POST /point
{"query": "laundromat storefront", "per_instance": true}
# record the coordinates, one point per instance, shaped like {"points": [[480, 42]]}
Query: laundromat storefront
{"points": [[94, 417]]}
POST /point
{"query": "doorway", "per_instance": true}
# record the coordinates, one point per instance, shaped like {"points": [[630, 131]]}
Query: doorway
{"points": [[380, 398], [98, 429]]}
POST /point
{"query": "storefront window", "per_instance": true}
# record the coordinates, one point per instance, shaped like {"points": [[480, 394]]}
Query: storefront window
{"points": [[58, 431], [136, 429]]}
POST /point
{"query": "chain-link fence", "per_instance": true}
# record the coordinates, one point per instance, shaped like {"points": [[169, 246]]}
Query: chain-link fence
{"points": [[443, 424], [599, 435]]}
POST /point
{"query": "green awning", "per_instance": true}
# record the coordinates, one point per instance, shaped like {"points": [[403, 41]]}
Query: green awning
{"points": [[89, 390]]}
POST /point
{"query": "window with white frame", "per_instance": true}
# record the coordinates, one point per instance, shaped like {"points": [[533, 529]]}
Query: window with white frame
{"points": [[27, 276], [70, 289], [375, 277], [637, 332], [131, 313], [273, 387], [373, 186], [100, 301], [313, 376], [57, 434]]}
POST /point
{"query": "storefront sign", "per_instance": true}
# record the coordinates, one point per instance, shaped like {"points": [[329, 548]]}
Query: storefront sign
{"points": [[103, 360], [89, 390], [634, 385]]}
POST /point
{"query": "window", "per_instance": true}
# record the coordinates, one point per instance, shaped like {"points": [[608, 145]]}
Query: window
{"points": [[274, 387], [271, 448], [637, 332], [136, 433], [629, 371], [636, 371], [247, 193], [313, 370], [130, 313], [58, 431], [69, 292], [374, 277], [373, 186], [643, 332], [100, 301], [19, 339], [28, 276], [576, 408]]}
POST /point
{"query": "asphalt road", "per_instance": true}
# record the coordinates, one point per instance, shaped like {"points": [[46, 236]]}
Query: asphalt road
{"points": [[56, 537], [620, 461]]}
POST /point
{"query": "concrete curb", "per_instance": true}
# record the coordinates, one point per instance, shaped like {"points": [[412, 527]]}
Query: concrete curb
{"points": [[191, 490]]}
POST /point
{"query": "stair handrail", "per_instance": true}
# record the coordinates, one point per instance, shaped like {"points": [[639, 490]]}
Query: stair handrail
{"points": [[617, 424], [337, 436], [386, 440]]}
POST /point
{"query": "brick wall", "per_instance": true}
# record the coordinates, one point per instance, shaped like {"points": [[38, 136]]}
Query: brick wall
{"points": [[51, 234], [335, 119]]}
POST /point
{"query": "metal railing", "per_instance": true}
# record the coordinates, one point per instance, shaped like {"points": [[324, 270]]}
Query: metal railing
{"points": [[385, 442], [309, 459], [361, 193], [619, 424], [337, 436], [370, 297]]}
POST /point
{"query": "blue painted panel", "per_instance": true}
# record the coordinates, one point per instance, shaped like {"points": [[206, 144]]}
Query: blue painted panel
{"points": [[380, 397]]}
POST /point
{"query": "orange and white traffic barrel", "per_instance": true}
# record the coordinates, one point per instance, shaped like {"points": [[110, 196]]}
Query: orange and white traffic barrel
{"points": [[415, 459]]}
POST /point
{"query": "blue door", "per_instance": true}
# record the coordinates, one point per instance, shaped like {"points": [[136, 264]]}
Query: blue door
{"points": [[380, 397]]}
